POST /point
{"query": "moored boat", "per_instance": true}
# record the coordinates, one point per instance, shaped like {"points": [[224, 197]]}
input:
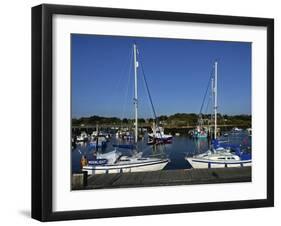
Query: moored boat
{"points": [[220, 154], [200, 132], [83, 137], [114, 161], [99, 141], [249, 131], [217, 159], [236, 130], [158, 135]]}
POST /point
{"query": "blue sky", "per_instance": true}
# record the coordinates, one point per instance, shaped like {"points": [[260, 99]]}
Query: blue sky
{"points": [[177, 73]]}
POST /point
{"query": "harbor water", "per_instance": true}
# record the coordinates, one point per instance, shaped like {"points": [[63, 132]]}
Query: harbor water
{"points": [[180, 147]]}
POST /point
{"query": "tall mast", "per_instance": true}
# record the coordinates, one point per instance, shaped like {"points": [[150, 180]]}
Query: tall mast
{"points": [[216, 97], [136, 93], [212, 98]]}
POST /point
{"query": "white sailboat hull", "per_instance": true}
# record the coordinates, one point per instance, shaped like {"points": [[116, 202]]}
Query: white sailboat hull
{"points": [[198, 163], [160, 137], [126, 168]]}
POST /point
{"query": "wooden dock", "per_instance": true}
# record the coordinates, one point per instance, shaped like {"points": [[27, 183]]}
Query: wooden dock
{"points": [[167, 177]]}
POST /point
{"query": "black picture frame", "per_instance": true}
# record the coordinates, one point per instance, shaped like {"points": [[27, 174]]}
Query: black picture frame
{"points": [[42, 111]]}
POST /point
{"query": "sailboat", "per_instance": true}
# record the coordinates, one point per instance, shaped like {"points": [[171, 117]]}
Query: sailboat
{"points": [[98, 139], [220, 155], [115, 161], [83, 137], [158, 136], [200, 132]]}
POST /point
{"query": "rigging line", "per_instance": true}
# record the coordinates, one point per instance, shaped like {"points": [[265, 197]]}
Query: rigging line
{"points": [[208, 86], [127, 88], [146, 84], [150, 99], [208, 103], [123, 72], [207, 106], [148, 92], [206, 111], [140, 62], [147, 98]]}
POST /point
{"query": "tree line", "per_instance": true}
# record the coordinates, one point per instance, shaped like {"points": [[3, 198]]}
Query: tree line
{"points": [[178, 119]]}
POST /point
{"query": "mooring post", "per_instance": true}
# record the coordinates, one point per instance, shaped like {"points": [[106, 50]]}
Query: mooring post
{"points": [[85, 178]]}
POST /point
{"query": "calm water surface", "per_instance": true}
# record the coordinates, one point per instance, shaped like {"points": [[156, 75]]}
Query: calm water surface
{"points": [[176, 152]]}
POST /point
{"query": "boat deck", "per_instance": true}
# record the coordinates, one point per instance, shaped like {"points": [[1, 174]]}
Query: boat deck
{"points": [[165, 177]]}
